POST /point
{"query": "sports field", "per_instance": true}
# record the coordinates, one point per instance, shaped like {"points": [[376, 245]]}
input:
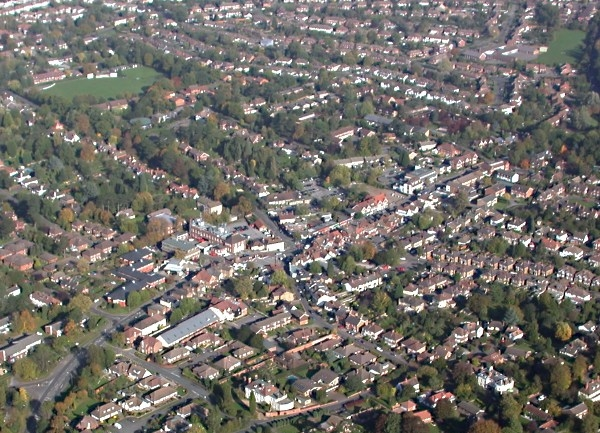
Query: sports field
{"points": [[132, 82], [564, 48]]}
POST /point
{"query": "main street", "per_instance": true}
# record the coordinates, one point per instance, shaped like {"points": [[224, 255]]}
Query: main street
{"points": [[173, 374]]}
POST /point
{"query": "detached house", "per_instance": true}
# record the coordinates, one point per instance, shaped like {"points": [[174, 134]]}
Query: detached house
{"points": [[591, 391], [494, 380], [266, 393], [106, 411]]}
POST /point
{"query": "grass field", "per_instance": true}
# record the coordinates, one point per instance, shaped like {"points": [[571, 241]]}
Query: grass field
{"points": [[132, 81], [564, 48]]}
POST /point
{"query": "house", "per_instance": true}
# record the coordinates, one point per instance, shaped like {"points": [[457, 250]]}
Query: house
{"points": [[206, 372], [591, 391], [491, 379], [176, 355], [151, 324], [269, 324], [514, 333], [372, 331], [392, 338], [42, 299], [433, 399], [161, 395], [354, 323], [228, 363], [5, 325], [412, 382], [578, 411], [87, 423], [150, 345], [470, 410], [135, 404], [363, 283], [152, 382], [424, 416], [268, 394], [19, 348], [305, 387], [54, 329], [329, 379], [106, 411]]}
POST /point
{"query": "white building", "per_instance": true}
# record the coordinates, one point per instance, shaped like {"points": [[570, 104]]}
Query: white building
{"points": [[494, 380], [266, 393]]}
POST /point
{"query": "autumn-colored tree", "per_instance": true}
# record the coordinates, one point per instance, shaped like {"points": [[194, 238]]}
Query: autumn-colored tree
{"points": [[83, 266], [489, 98], [65, 217], [485, 426], [87, 153], [70, 327], [105, 216], [82, 123], [369, 250], [24, 322], [156, 230], [221, 190], [245, 206], [563, 331]]}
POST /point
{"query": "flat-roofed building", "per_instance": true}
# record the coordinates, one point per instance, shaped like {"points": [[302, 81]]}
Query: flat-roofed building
{"points": [[190, 327]]}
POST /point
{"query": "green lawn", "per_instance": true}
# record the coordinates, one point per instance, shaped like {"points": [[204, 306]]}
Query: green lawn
{"points": [[131, 81], [564, 48], [286, 429]]}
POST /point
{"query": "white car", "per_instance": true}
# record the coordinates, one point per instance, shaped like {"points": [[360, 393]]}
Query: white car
{"points": [[118, 426]]}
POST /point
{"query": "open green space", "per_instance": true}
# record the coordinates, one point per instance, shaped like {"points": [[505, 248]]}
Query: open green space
{"points": [[130, 81], [565, 47]]}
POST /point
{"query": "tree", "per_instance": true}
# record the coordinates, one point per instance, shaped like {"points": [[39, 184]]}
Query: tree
{"points": [[381, 301], [243, 287], [580, 366], [510, 409], [315, 268], [385, 391], [81, 301], [340, 176], [391, 423], [353, 383], [546, 15], [413, 424], [485, 426], [221, 189], [445, 410], [589, 424], [24, 322], [563, 331], [134, 299], [7, 226], [560, 378], [279, 277], [252, 403], [26, 369]]}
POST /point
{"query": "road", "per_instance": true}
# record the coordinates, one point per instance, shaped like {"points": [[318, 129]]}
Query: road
{"points": [[173, 374], [333, 407], [274, 228], [50, 387]]}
